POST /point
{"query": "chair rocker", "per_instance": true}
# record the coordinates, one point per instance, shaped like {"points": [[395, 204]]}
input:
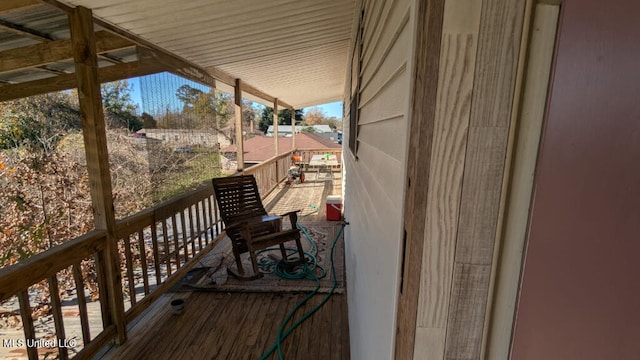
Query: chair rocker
{"points": [[249, 226]]}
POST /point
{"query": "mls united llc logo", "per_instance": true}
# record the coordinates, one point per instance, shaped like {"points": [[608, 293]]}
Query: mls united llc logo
{"points": [[40, 343]]}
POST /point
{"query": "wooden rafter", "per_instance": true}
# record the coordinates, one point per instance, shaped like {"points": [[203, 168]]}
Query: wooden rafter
{"points": [[8, 6], [24, 31], [51, 70], [54, 51], [262, 95], [177, 66], [40, 36], [68, 81], [110, 58]]}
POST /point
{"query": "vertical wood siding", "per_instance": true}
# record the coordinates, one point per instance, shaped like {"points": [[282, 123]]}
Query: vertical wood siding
{"points": [[477, 72], [478, 58], [457, 54]]}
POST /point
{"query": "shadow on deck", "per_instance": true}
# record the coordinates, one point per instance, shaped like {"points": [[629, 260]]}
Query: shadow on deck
{"points": [[244, 325]]}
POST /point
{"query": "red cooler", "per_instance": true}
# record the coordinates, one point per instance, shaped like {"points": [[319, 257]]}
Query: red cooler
{"points": [[334, 207]]}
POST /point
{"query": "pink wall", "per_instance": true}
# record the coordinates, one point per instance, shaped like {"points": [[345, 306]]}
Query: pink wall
{"points": [[580, 296]]}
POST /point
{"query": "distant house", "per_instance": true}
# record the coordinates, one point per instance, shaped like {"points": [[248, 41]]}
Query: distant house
{"points": [[186, 137], [261, 148], [285, 130]]}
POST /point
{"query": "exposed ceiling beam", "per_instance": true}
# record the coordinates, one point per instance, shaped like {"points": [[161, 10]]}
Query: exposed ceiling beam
{"points": [[255, 92], [24, 31], [40, 36], [177, 66], [69, 81], [174, 61], [8, 6], [110, 58], [54, 51], [51, 71]]}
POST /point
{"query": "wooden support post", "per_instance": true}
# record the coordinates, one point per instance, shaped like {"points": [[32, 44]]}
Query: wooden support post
{"points": [[275, 132], [293, 129], [239, 137], [275, 126], [95, 143]]}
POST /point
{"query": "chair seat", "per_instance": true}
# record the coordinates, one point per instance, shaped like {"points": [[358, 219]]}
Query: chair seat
{"points": [[275, 238]]}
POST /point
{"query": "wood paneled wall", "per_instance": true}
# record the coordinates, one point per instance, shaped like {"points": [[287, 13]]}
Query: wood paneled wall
{"points": [[479, 55]]}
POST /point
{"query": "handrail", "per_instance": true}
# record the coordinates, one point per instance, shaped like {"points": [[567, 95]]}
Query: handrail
{"points": [[270, 173], [267, 162], [20, 276]]}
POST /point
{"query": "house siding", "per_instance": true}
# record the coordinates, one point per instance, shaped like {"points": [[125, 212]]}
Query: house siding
{"points": [[374, 188]]}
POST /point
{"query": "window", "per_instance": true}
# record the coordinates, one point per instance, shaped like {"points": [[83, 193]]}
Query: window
{"points": [[356, 65]]}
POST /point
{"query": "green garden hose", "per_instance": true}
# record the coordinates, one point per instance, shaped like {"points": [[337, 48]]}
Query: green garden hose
{"points": [[282, 333]]}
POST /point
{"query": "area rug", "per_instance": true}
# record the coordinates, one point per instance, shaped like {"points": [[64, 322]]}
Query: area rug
{"points": [[211, 273]]}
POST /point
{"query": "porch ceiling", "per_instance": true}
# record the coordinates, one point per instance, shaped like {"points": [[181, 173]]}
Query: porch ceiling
{"points": [[295, 50]]}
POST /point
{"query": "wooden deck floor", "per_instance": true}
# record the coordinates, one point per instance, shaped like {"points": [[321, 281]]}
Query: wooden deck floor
{"points": [[236, 325]]}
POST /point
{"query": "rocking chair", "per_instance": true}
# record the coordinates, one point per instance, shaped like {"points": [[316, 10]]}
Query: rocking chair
{"points": [[249, 226]]}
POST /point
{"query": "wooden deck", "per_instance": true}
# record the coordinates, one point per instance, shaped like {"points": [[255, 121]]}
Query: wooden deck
{"points": [[238, 325]]}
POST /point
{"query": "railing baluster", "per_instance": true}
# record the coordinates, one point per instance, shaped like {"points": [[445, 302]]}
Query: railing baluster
{"points": [[193, 233], [82, 303], [56, 309], [198, 225], [102, 288], [176, 238], [184, 229], [156, 253], [167, 250], [143, 262], [205, 219], [215, 214], [129, 265], [27, 323]]}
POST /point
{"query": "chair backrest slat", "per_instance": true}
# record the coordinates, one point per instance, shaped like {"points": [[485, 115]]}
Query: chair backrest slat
{"points": [[238, 198]]}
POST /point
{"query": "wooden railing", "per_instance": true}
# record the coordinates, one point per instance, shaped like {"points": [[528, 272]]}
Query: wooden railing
{"points": [[274, 170], [162, 243], [156, 248], [19, 278], [306, 155], [270, 173]]}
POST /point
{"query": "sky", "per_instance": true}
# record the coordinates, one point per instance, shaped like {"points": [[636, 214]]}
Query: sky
{"points": [[331, 109]]}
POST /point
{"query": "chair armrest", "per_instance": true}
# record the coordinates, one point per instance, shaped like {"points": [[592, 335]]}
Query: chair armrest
{"points": [[293, 217]]}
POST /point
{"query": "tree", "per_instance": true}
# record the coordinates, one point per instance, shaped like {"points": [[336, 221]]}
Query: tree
{"points": [[249, 113], [314, 116], [284, 118], [119, 109], [148, 122], [38, 122], [211, 109]]}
